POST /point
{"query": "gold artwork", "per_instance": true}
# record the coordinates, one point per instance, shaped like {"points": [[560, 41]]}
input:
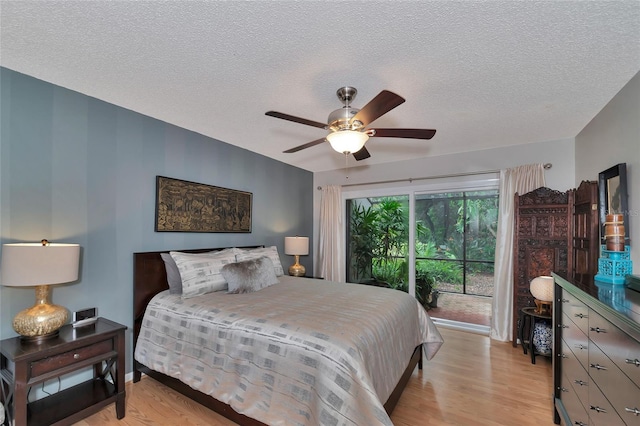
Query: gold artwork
{"points": [[183, 206]]}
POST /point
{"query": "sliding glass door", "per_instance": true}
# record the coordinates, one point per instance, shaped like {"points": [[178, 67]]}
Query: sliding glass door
{"points": [[457, 240], [430, 243]]}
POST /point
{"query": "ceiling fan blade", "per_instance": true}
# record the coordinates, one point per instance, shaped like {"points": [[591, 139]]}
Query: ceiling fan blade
{"points": [[363, 154], [404, 133], [377, 107], [305, 146], [295, 119]]}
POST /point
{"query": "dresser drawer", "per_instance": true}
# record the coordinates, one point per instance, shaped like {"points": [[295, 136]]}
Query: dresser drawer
{"points": [[575, 373], [50, 364], [575, 310], [622, 393], [574, 408], [576, 340], [600, 410], [623, 350]]}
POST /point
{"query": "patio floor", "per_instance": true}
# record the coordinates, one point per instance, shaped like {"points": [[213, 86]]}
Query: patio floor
{"points": [[464, 308]]}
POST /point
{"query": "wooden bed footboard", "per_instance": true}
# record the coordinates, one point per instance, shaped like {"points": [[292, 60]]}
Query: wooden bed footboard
{"points": [[149, 279]]}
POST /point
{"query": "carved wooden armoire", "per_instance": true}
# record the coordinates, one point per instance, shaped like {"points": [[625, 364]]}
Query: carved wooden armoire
{"points": [[543, 238]]}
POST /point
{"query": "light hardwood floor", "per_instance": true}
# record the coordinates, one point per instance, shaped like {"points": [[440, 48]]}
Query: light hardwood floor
{"points": [[471, 381]]}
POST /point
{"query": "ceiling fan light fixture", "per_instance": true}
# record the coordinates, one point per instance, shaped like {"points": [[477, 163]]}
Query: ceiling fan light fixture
{"points": [[347, 141]]}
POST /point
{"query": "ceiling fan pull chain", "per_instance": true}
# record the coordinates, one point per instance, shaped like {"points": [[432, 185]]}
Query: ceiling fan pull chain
{"points": [[346, 164]]}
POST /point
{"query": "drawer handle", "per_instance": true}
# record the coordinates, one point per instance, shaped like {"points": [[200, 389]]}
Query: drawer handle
{"points": [[580, 382], [632, 410], [581, 316], [597, 366], [563, 389], [581, 347], [76, 356], [598, 329], [635, 362], [563, 326], [598, 409], [579, 423], [564, 300], [564, 356]]}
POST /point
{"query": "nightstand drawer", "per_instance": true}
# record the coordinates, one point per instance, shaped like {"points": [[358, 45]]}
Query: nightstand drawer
{"points": [[47, 365]]}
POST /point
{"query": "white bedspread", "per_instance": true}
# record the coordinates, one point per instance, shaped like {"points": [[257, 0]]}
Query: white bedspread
{"points": [[301, 352]]}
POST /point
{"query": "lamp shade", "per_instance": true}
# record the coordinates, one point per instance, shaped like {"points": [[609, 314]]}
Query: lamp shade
{"points": [[347, 141], [33, 264], [296, 246], [542, 288]]}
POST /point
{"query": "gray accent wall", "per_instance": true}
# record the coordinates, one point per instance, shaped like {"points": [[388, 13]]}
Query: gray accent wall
{"points": [[79, 170]]}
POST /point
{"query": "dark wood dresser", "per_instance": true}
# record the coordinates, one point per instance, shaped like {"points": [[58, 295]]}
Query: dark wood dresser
{"points": [[596, 353]]}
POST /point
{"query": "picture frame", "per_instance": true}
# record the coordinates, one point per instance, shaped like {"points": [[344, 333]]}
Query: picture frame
{"points": [[613, 196], [184, 206]]}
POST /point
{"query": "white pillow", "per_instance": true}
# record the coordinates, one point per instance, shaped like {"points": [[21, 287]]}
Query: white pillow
{"points": [[200, 273], [270, 252]]}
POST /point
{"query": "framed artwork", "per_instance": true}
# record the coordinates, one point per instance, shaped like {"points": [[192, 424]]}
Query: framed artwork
{"points": [[183, 206], [613, 197]]}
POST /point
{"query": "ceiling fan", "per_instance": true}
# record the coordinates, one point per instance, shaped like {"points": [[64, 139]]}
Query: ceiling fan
{"points": [[347, 126]]}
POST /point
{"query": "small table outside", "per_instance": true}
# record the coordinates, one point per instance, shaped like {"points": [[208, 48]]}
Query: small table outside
{"points": [[528, 319]]}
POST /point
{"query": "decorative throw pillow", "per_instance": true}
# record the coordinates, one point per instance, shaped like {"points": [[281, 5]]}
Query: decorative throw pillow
{"points": [[270, 252], [200, 273], [250, 275]]}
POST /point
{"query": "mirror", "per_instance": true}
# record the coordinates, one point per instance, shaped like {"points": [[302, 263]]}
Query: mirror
{"points": [[612, 188]]}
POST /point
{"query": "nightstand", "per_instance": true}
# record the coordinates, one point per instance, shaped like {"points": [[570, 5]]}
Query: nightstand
{"points": [[528, 320], [24, 364]]}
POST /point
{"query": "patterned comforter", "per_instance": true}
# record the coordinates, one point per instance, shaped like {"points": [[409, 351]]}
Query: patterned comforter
{"points": [[301, 352]]}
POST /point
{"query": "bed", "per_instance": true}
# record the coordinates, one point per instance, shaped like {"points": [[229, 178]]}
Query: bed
{"points": [[302, 351]]}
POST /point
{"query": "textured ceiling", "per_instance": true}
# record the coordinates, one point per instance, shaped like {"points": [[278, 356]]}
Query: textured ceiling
{"points": [[484, 74]]}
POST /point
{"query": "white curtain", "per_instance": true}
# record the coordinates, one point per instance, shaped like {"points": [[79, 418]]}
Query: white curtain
{"points": [[519, 180], [331, 247]]}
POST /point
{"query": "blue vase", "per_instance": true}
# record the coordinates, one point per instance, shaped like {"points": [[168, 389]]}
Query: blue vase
{"points": [[542, 337]]}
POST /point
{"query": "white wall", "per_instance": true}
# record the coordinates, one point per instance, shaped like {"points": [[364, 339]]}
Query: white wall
{"points": [[559, 153], [612, 137]]}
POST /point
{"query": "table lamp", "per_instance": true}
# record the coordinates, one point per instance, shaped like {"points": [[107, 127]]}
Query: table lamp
{"points": [[296, 246], [39, 265], [542, 290]]}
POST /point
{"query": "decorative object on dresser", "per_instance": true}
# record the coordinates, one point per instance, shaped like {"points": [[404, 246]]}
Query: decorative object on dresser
{"points": [[596, 362], [542, 290], [296, 246], [24, 365], [613, 196], [40, 265], [543, 232], [183, 206]]}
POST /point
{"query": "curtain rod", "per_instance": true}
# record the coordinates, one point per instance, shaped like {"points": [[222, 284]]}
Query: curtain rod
{"points": [[546, 166]]}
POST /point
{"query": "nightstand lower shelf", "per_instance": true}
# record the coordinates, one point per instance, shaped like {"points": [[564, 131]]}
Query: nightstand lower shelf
{"points": [[72, 404]]}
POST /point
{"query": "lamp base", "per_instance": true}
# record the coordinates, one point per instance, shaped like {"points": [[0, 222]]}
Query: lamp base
{"points": [[297, 270], [542, 307], [42, 320]]}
